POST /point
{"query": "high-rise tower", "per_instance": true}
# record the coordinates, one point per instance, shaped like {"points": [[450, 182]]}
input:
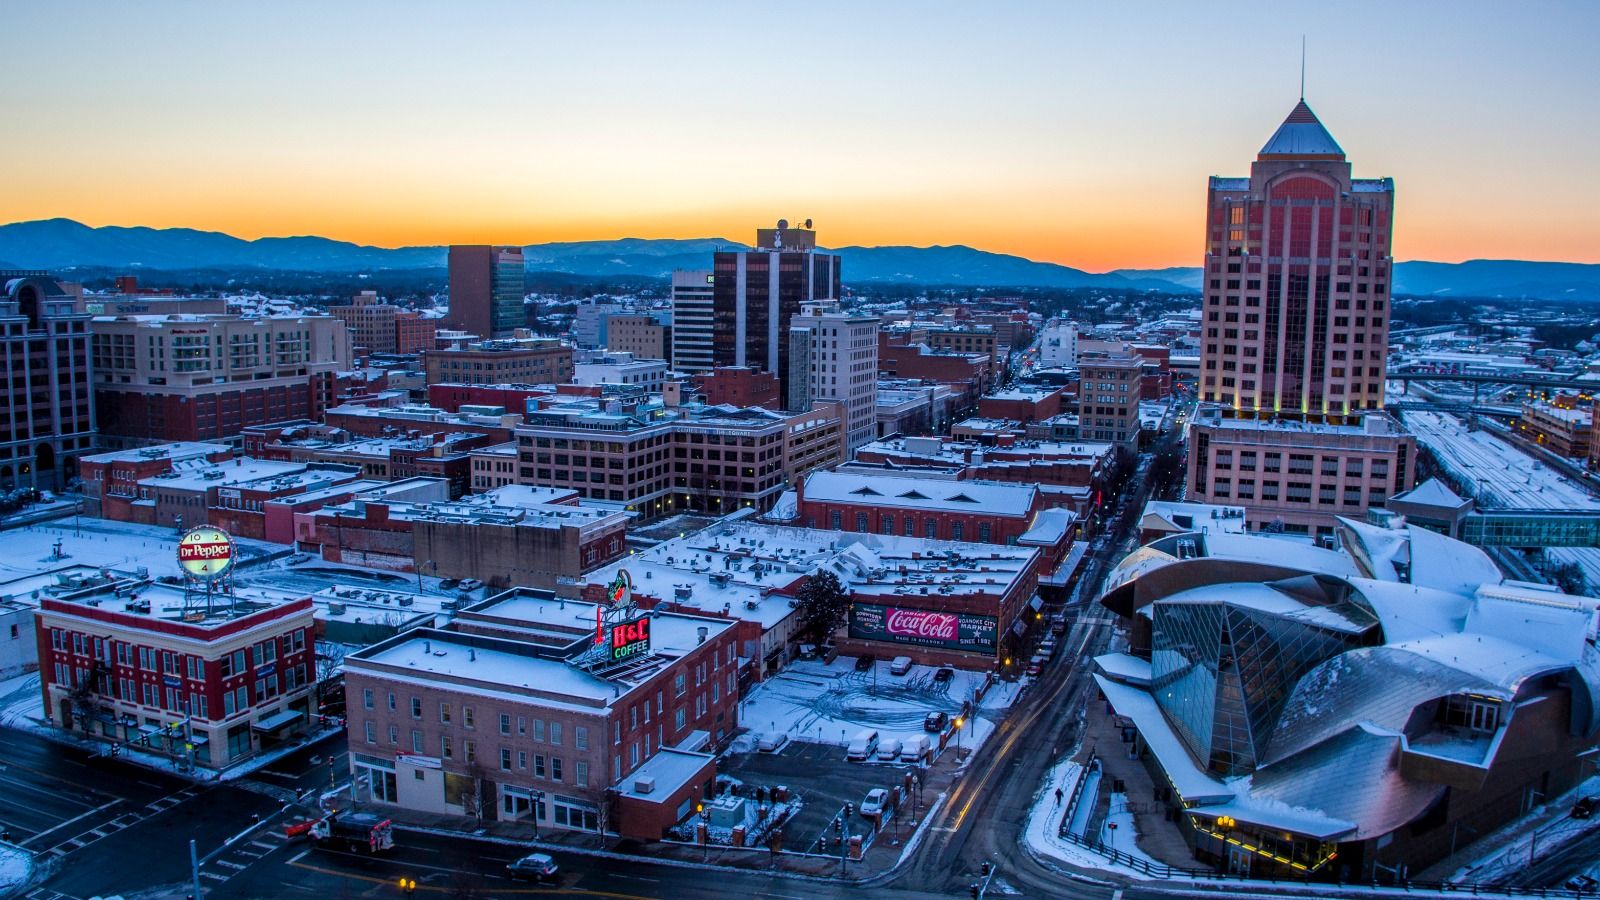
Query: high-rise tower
{"points": [[1297, 281]]}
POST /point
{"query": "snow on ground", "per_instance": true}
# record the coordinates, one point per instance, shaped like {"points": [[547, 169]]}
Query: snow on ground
{"points": [[1125, 835], [829, 704], [1544, 829], [1042, 836], [21, 702], [16, 865]]}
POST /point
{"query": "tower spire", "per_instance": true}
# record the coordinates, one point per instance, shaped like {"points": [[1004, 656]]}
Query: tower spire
{"points": [[1302, 67]]}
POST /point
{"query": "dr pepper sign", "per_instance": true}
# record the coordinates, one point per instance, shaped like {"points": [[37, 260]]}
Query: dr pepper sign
{"points": [[205, 553]]}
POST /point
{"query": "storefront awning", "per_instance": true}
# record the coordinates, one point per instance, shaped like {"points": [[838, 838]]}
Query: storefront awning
{"points": [[277, 720]]}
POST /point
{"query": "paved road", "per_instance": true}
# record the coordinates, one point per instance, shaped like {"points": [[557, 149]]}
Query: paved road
{"points": [[454, 867]]}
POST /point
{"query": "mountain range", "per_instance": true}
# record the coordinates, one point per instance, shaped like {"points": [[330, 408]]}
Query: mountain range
{"points": [[58, 244]]}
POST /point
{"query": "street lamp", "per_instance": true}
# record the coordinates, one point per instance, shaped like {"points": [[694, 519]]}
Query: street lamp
{"points": [[705, 831], [960, 721]]}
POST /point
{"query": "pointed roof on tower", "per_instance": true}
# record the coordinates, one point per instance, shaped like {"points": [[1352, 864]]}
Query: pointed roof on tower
{"points": [[1301, 136]]}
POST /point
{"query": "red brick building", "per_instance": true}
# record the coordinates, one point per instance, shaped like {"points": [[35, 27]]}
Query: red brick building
{"points": [[983, 512], [511, 397], [507, 710], [739, 386], [148, 668], [111, 480], [970, 374], [195, 378], [1022, 404]]}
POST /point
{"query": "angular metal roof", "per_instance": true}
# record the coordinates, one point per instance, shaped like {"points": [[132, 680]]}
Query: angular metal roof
{"points": [[1301, 135]]}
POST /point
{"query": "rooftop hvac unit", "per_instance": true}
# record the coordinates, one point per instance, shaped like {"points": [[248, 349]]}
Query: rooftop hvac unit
{"points": [[644, 784]]}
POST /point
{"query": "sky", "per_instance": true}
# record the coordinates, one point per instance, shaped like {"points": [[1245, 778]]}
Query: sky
{"points": [[1077, 133]]}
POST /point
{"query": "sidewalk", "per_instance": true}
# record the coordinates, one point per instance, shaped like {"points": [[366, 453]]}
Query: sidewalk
{"points": [[1158, 836], [558, 840]]}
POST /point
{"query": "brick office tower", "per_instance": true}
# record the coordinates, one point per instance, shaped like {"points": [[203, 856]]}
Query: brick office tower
{"points": [[485, 289], [47, 415], [1296, 332], [1297, 281], [756, 293]]}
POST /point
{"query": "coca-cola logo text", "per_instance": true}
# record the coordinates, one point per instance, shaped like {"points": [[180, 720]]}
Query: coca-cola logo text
{"points": [[921, 623]]}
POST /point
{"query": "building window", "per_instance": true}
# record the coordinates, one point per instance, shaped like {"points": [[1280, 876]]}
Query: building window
{"points": [[372, 733], [416, 742], [444, 714], [366, 698], [446, 749], [505, 724], [505, 759], [416, 707]]}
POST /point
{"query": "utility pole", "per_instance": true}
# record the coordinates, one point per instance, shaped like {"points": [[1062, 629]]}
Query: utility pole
{"points": [[194, 869]]}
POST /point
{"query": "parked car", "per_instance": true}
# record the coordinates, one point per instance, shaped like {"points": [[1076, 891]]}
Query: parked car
{"points": [[533, 867], [862, 747], [1048, 648], [864, 662], [771, 742], [888, 750], [936, 721], [808, 651], [448, 584], [873, 804], [470, 584], [1035, 667], [1585, 808], [915, 748], [1582, 883], [943, 674], [900, 666]]}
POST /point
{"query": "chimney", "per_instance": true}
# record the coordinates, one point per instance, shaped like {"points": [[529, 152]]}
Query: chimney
{"points": [[701, 631], [472, 654], [427, 647]]}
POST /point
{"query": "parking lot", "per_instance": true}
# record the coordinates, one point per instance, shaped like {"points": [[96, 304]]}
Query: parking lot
{"points": [[822, 778], [817, 702]]}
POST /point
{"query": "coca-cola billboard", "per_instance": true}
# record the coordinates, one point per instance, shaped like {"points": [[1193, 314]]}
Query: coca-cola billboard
{"points": [[927, 627]]}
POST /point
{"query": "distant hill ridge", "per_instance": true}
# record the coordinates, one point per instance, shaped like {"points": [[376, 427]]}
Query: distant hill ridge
{"points": [[63, 243]]}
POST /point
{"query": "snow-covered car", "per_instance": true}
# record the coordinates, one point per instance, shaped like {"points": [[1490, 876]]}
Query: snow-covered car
{"points": [[771, 741], [535, 867], [888, 750], [900, 666], [873, 804]]}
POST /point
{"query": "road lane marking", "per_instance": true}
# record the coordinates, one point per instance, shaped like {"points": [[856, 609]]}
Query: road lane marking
{"points": [[69, 822], [437, 889]]}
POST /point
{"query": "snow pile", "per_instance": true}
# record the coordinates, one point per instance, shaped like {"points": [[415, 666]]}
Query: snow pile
{"points": [[16, 865]]}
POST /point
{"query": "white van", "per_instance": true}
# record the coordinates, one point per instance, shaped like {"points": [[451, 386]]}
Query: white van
{"points": [[900, 666], [889, 750], [862, 747], [915, 748]]}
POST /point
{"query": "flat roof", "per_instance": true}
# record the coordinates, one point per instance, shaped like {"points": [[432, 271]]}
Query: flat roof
{"points": [[670, 769], [177, 450], [234, 473]]}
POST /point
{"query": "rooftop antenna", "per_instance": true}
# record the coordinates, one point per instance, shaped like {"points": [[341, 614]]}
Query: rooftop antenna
{"points": [[1302, 68]]}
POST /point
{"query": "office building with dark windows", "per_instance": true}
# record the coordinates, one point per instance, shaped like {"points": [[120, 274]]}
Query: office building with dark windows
{"points": [[486, 289], [48, 418], [756, 293]]}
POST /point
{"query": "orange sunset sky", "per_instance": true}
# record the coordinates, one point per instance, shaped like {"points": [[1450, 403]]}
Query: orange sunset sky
{"points": [[1058, 131]]}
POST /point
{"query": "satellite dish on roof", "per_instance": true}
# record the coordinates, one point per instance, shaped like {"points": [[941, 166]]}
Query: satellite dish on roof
{"points": [[783, 223], [808, 224]]}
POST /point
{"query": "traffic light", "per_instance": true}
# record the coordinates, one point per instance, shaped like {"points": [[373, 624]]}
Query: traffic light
{"points": [[849, 809], [984, 869], [974, 889]]}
